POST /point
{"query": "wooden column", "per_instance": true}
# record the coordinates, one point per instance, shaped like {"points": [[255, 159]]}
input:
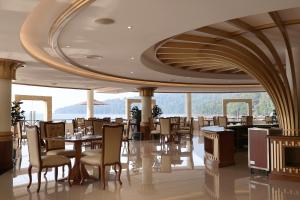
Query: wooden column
{"points": [[7, 73]]}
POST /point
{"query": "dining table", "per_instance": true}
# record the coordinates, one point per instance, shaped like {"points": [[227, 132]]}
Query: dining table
{"points": [[77, 139]]}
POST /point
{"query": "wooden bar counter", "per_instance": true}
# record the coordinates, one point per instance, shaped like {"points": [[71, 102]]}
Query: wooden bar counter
{"points": [[218, 146]]}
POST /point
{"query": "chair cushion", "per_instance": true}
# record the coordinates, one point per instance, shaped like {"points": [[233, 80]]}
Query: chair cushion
{"points": [[155, 132], [92, 160], [91, 152], [63, 152], [185, 128], [183, 131], [54, 160]]}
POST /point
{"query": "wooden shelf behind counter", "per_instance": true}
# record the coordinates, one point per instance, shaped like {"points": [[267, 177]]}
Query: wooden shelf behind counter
{"points": [[218, 146]]}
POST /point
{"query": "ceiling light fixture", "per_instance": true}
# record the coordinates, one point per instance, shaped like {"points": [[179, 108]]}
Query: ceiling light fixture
{"points": [[129, 27], [132, 58], [105, 21], [67, 46], [131, 72], [98, 57]]}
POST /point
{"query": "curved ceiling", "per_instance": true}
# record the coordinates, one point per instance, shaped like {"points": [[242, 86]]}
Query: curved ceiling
{"points": [[80, 52]]}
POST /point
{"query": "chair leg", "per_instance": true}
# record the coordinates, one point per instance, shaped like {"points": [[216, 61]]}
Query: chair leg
{"points": [[103, 175], [56, 173], [120, 170], [81, 173], [115, 168], [30, 176], [46, 171], [127, 146], [39, 180], [63, 170], [69, 175], [99, 171]]}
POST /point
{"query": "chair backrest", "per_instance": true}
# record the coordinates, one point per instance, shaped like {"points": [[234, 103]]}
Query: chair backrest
{"points": [[182, 121], [79, 122], [201, 121], [175, 119], [223, 121], [106, 119], [247, 120], [119, 120], [165, 126], [42, 128], [191, 125], [53, 130], [112, 141], [88, 123], [98, 127], [127, 128], [151, 124], [216, 120], [268, 119], [34, 146]]}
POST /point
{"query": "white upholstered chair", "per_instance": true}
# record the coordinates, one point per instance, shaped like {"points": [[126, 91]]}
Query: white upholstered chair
{"points": [[110, 155], [165, 129], [41, 162]]}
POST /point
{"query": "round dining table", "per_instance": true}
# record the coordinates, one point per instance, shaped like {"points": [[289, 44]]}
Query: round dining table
{"points": [[77, 140]]}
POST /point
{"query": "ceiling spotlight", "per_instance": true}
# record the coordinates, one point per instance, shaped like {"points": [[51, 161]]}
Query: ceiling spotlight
{"points": [[67, 46], [98, 57], [131, 72], [129, 27], [132, 58], [105, 21], [86, 65]]}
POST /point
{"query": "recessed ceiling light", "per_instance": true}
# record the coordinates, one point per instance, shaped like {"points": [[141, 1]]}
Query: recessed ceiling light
{"points": [[131, 72], [67, 46], [94, 57], [129, 27], [86, 65], [132, 58], [105, 21]]}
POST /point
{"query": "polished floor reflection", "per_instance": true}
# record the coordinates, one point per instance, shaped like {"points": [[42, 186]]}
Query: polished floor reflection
{"points": [[152, 171]]}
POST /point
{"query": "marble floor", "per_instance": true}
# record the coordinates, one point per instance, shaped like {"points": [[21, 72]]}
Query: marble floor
{"points": [[150, 171]]}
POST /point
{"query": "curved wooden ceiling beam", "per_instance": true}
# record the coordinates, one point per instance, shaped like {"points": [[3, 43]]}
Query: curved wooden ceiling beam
{"points": [[247, 43], [277, 19]]}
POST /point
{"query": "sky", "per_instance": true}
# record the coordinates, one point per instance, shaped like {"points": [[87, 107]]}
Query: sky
{"points": [[60, 97]]}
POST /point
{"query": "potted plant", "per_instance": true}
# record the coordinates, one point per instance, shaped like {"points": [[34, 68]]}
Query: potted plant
{"points": [[156, 112], [136, 115], [16, 113]]}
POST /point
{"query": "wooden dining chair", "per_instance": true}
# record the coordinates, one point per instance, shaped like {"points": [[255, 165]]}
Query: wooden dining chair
{"points": [[20, 134], [110, 155], [119, 120], [41, 162], [223, 121], [95, 145], [186, 132], [200, 122], [57, 147]]}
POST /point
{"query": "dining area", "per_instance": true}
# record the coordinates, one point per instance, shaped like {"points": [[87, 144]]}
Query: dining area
{"points": [[91, 142]]}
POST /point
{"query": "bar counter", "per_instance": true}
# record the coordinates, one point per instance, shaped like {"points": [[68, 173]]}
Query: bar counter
{"points": [[218, 146]]}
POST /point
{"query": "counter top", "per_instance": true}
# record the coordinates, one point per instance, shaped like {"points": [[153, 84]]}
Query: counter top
{"points": [[216, 129]]}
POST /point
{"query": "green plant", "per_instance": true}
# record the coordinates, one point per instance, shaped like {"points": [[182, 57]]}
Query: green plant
{"points": [[156, 111], [136, 115], [16, 113]]}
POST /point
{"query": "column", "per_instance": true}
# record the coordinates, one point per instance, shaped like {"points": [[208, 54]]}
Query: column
{"points": [[90, 104], [146, 95], [7, 73], [188, 105]]}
